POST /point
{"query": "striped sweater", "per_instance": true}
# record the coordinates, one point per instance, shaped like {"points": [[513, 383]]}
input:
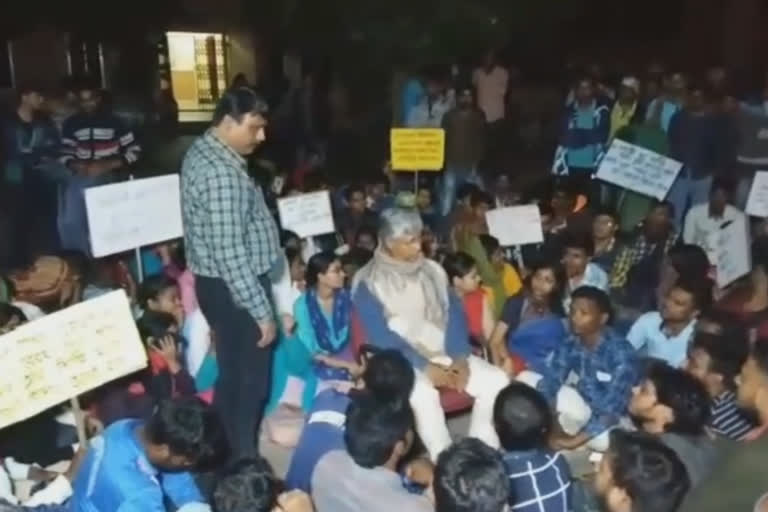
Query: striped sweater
{"points": [[97, 137]]}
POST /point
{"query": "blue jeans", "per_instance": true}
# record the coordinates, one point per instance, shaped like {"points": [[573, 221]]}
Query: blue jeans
{"points": [[454, 176], [686, 192]]}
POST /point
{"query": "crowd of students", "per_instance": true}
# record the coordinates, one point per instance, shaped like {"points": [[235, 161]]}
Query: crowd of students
{"points": [[604, 368]]}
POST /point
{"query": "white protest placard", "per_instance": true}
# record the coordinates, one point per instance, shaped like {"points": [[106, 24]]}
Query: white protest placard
{"points": [[733, 253], [64, 354], [307, 214], [757, 204], [638, 169], [127, 215], [515, 225]]}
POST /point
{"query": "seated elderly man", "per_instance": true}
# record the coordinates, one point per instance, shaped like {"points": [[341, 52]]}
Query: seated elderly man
{"points": [[404, 302]]}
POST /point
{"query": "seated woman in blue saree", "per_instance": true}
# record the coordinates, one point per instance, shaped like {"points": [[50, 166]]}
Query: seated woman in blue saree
{"points": [[293, 381], [322, 316], [531, 324]]}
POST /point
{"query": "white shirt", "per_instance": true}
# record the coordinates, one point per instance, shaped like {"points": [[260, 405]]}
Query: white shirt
{"points": [[701, 229], [594, 275], [491, 91], [648, 336]]}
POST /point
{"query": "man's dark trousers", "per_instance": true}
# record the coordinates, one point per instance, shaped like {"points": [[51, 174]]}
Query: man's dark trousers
{"points": [[243, 384]]}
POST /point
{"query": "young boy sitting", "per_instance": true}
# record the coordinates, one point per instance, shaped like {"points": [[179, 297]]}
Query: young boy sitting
{"points": [[595, 362], [674, 406], [716, 362], [666, 334], [577, 252], [388, 376], [540, 479], [138, 465], [639, 473]]}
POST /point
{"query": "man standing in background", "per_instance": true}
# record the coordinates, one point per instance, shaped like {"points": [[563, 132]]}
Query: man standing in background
{"points": [[491, 82], [95, 145], [29, 143], [464, 147], [232, 242]]}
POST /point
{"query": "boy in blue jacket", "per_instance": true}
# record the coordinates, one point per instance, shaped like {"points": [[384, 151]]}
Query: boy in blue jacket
{"points": [[138, 465]]}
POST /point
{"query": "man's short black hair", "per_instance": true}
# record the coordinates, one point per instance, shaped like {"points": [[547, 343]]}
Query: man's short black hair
{"points": [[465, 191], [689, 261], [369, 230], [699, 289], [490, 243], [238, 102], [726, 354], [153, 286], [724, 183], [597, 296], [581, 241], [522, 418], [478, 197], [155, 324], [470, 477], [685, 395], [248, 485], [374, 427], [27, 88], [666, 205], [357, 256], [458, 264], [287, 236], [649, 471], [191, 429], [607, 212], [351, 189], [389, 376]]}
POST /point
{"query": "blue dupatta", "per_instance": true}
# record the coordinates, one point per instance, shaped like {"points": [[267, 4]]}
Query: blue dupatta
{"points": [[534, 340]]}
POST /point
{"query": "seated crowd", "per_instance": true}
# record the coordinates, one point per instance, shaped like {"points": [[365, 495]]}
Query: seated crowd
{"points": [[603, 369]]}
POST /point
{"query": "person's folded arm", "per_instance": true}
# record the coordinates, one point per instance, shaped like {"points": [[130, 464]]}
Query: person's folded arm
{"points": [[228, 204], [377, 331]]}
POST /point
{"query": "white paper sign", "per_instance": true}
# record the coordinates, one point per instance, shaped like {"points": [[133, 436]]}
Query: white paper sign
{"points": [[638, 169], [757, 204], [307, 214], [515, 225], [127, 215], [733, 253], [66, 353]]}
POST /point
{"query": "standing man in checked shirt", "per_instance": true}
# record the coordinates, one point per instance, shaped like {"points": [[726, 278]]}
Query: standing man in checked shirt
{"points": [[232, 242]]}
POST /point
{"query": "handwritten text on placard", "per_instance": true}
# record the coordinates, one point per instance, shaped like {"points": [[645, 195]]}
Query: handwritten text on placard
{"points": [[515, 225], [638, 169], [126, 215], [307, 214], [417, 149], [62, 355]]}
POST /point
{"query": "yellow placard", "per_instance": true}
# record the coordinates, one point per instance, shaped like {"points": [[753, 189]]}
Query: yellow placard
{"points": [[417, 149], [64, 354]]}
